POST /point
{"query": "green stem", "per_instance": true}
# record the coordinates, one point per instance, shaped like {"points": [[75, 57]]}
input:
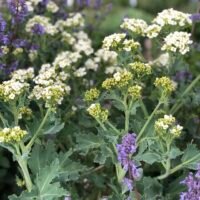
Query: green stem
{"points": [[3, 120], [179, 102], [148, 121], [29, 145], [178, 167], [144, 109], [127, 114], [113, 127], [23, 165]]}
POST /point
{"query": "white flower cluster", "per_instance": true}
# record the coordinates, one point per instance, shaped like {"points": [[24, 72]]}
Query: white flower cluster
{"points": [[74, 20], [152, 31], [136, 26], [23, 75], [83, 44], [103, 56], [50, 86], [177, 42], [68, 38], [44, 21], [166, 125], [113, 40], [173, 18], [14, 134], [80, 72], [52, 7], [66, 59], [17, 85]]}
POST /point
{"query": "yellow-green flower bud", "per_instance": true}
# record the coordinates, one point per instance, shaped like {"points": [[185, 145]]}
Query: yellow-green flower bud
{"points": [[24, 112], [165, 84], [97, 112], [166, 127], [135, 91], [140, 69], [91, 94], [20, 182], [109, 83], [14, 134]]}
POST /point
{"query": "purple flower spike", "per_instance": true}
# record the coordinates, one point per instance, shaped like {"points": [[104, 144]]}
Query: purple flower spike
{"points": [[125, 150], [192, 182], [18, 10]]}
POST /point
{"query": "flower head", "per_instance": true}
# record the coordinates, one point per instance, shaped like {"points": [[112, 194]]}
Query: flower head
{"points": [[177, 42]]}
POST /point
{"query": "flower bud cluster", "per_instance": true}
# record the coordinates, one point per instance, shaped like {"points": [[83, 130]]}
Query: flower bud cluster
{"points": [[24, 112], [167, 127], [140, 69], [135, 92], [119, 79], [165, 84], [91, 94], [15, 134], [96, 111], [177, 42]]}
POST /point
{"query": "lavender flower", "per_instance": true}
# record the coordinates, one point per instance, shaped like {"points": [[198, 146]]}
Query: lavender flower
{"points": [[128, 183], [2, 24], [195, 17], [38, 29], [18, 10], [192, 182], [125, 150]]}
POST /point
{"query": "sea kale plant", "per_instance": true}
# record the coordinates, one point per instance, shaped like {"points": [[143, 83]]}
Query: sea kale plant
{"points": [[109, 123]]}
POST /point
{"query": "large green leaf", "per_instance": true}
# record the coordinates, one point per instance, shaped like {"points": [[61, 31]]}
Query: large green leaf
{"points": [[152, 189], [46, 188], [191, 157], [42, 156], [86, 142]]}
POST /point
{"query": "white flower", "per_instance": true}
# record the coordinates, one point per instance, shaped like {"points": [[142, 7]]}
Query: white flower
{"points": [[68, 38], [152, 31], [52, 7], [177, 42], [173, 18], [106, 56], [43, 21], [80, 72], [91, 64], [113, 40], [137, 26], [66, 59], [23, 74], [117, 76], [112, 69]]}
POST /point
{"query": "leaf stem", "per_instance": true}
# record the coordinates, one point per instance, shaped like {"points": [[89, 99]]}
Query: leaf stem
{"points": [[179, 102], [29, 145], [148, 121]]}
